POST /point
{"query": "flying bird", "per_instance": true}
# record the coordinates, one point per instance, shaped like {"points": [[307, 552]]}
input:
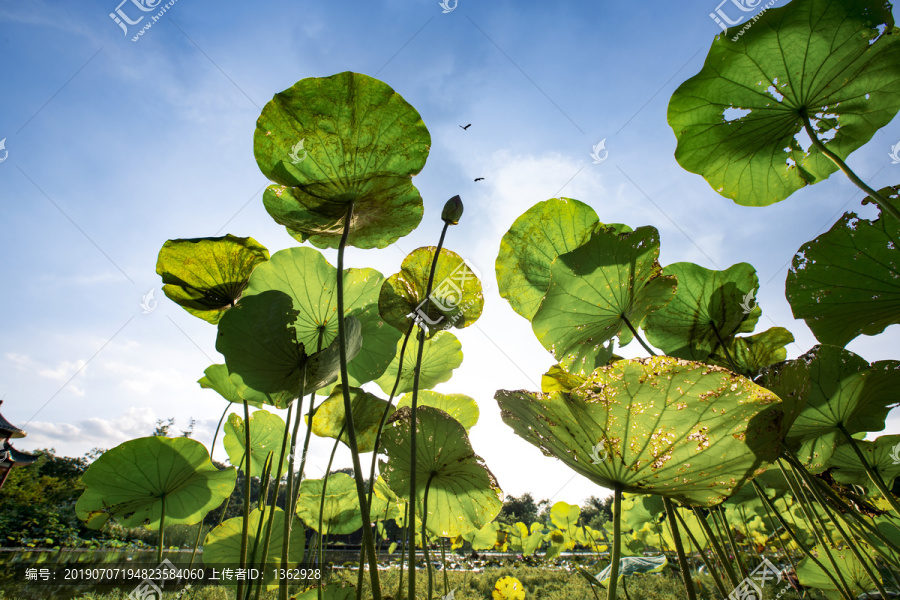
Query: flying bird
{"points": [[479, 179], [466, 127]]}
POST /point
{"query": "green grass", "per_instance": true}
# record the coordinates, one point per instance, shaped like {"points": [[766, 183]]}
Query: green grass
{"points": [[539, 583]]}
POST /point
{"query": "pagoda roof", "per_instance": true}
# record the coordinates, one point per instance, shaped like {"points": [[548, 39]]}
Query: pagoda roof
{"points": [[10, 457], [8, 430]]}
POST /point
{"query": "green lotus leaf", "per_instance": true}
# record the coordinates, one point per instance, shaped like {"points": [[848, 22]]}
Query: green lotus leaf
{"points": [[558, 379], [341, 514], [565, 516], [708, 305], [441, 355], [136, 479], [675, 428], [306, 276], [332, 141], [206, 276], [459, 406], [594, 289], [456, 297], [484, 538], [821, 58], [629, 565], [640, 509], [845, 282], [755, 352], [367, 408], [266, 434], [222, 545], [830, 386], [463, 494], [216, 377], [538, 236], [262, 350], [852, 572], [883, 455]]}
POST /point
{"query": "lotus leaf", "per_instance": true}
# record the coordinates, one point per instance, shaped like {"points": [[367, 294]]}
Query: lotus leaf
{"points": [[835, 62], [536, 238], [306, 276], [845, 282], [206, 276], [463, 494], [459, 406], [222, 545], [594, 289], [828, 387], [441, 355], [708, 305], [456, 298], [341, 514], [367, 408], [671, 427], [266, 435], [138, 479], [332, 141]]}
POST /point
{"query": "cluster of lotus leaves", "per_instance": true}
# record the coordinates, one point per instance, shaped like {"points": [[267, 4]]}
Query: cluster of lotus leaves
{"points": [[681, 429]]}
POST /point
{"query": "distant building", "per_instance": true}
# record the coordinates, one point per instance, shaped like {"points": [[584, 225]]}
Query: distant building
{"points": [[9, 456]]}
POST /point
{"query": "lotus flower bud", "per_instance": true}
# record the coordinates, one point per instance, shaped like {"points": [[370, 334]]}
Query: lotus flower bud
{"points": [[453, 210]]}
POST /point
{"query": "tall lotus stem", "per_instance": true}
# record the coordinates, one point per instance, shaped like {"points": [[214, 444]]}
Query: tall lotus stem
{"points": [[368, 539], [289, 489], [245, 528], [211, 448], [679, 549], [617, 544], [415, 405]]}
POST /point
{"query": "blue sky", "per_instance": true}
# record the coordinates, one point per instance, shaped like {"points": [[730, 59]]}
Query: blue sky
{"points": [[116, 146]]}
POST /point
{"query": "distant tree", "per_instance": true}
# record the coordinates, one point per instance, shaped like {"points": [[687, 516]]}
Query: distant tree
{"points": [[190, 430], [162, 428], [596, 511], [522, 509]]}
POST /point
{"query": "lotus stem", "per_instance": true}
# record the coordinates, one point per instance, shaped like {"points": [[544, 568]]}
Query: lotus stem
{"points": [[873, 474], [162, 532], [322, 501], [679, 549], [821, 489], [801, 545], [851, 543], [245, 528], [444, 568], [880, 200], [289, 506], [368, 540], [414, 418], [717, 547], [403, 538], [712, 570], [271, 516], [425, 538], [734, 547], [805, 506], [725, 348], [617, 543], [211, 449], [383, 419], [638, 337]]}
